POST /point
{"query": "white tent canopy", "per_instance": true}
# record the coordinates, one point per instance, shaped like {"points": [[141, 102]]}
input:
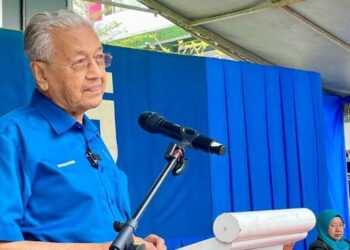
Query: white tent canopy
{"points": [[304, 34]]}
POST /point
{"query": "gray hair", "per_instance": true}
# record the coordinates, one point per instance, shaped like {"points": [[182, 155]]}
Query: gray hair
{"points": [[37, 41]]}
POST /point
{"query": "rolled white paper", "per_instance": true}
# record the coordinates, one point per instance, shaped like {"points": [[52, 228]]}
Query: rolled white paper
{"points": [[276, 240], [256, 224]]}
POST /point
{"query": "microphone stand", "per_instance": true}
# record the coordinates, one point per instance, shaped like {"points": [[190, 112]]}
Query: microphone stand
{"points": [[176, 163]]}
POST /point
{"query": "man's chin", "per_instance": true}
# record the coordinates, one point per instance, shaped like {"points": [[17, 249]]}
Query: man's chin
{"points": [[95, 104], [92, 104]]}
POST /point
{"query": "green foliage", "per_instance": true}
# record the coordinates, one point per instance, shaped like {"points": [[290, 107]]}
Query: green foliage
{"points": [[151, 38], [170, 40], [346, 112], [194, 47]]}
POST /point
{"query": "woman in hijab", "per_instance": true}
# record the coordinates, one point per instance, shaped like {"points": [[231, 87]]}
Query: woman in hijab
{"points": [[330, 227]]}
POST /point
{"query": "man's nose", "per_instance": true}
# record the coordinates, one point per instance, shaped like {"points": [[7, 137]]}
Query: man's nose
{"points": [[95, 70]]}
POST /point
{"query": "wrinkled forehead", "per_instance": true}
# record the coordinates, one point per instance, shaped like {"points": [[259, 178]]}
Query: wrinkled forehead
{"points": [[74, 41]]}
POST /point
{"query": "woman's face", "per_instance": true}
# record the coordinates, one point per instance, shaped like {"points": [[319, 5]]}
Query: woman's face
{"points": [[336, 229]]}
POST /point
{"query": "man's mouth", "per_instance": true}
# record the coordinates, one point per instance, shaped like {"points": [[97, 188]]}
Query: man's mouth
{"points": [[95, 88]]}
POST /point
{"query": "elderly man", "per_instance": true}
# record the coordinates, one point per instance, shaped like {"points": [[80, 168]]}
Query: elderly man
{"points": [[59, 186]]}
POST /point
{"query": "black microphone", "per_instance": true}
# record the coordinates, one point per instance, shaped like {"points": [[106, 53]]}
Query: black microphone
{"points": [[93, 158], [154, 123]]}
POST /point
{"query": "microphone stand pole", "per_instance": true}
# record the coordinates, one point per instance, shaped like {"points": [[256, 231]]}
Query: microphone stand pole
{"points": [[176, 163]]}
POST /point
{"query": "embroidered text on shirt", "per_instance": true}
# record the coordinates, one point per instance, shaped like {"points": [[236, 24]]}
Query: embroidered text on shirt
{"points": [[65, 164]]}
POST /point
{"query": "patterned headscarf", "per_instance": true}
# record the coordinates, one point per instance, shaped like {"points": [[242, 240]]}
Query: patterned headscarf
{"points": [[323, 221]]}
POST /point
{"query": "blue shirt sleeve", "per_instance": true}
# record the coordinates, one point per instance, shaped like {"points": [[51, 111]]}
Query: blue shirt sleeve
{"points": [[13, 189]]}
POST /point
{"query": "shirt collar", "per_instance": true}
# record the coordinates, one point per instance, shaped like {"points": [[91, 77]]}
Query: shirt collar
{"points": [[90, 128], [58, 118]]}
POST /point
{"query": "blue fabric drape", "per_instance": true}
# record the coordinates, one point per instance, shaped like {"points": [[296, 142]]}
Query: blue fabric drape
{"points": [[16, 80], [336, 162], [271, 119], [173, 86]]}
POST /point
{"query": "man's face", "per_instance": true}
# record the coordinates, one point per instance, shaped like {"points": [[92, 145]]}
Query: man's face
{"points": [[75, 89], [336, 228]]}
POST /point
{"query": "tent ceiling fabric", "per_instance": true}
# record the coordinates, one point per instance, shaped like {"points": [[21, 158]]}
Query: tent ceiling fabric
{"points": [[304, 34]]}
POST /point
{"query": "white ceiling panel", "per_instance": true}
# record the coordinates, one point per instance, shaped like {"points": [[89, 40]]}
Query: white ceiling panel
{"points": [[310, 35]]}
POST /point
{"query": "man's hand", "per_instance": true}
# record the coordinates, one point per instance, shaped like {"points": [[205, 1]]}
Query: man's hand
{"points": [[288, 246], [152, 242]]}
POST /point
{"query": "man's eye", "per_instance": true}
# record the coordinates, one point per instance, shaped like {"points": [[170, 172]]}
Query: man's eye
{"points": [[100, 58], [81, 61]]}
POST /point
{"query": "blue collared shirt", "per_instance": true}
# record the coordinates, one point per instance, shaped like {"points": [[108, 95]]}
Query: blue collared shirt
{"points": [[49, 191]]}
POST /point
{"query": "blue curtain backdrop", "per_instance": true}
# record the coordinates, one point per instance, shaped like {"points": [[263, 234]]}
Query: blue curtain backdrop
{"points": [[173, 86], [336, 158], [273, 121], [16, 80]]}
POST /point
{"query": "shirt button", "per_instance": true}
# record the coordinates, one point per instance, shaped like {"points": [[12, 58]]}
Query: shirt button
{"points": [[78, 126], [112, 202]]}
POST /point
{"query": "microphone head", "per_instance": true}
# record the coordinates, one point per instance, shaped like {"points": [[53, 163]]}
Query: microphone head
{"points": [[217, 148], [150, 120], [154, 123]]}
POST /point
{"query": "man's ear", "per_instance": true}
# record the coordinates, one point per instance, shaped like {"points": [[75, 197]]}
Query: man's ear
{"points": [[39, 72]]}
